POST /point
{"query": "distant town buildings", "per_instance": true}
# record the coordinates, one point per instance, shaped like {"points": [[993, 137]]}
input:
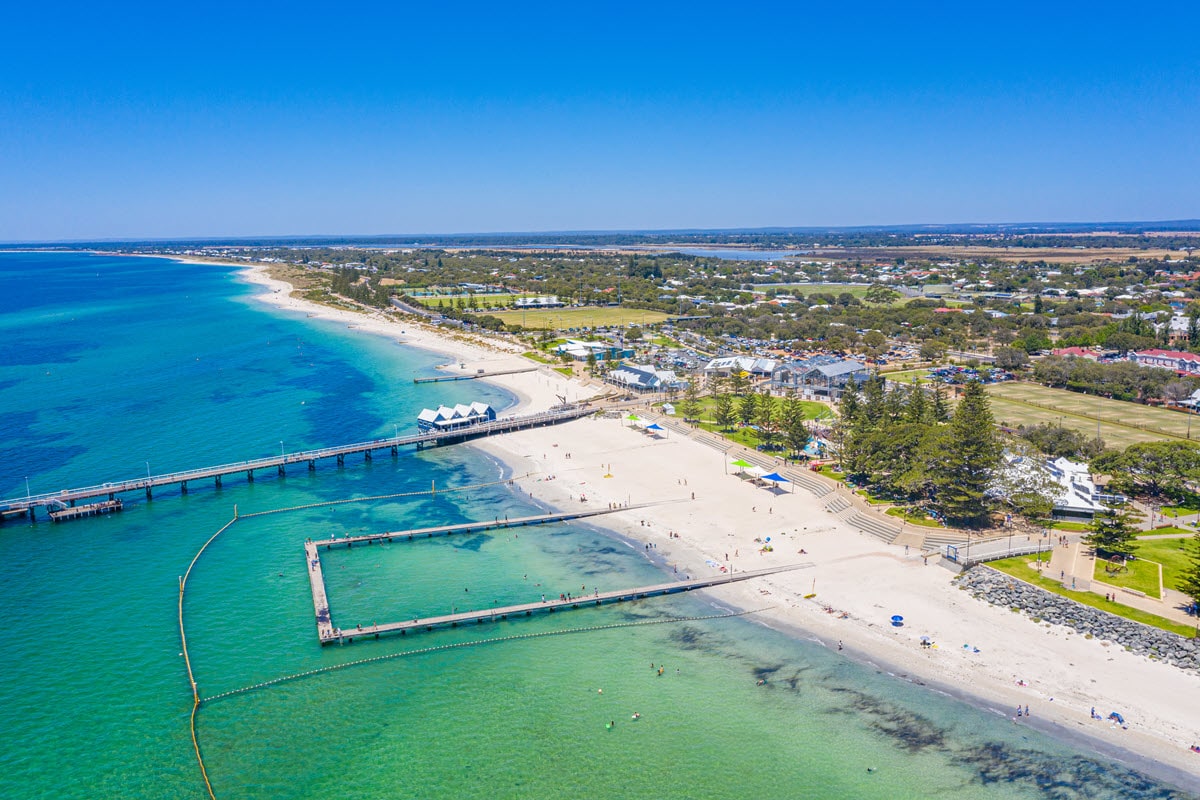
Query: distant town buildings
{"points": [[1176, 360]]}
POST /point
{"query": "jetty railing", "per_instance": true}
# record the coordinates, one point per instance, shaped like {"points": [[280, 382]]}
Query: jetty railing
{"points": [[67, 497]]}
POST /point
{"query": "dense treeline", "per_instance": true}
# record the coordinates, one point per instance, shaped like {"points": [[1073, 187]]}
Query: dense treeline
{"points": [[357, 286], [1120, 380], [905, 444]]}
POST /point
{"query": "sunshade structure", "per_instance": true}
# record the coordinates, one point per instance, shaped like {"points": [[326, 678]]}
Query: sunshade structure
{"points": [[775, 478], [741, 464], [653, 428]]}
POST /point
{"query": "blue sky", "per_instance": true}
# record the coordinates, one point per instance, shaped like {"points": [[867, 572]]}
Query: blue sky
{"points": [[220, 120]]}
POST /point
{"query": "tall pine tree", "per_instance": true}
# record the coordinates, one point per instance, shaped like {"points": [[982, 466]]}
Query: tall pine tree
{"points": [[1112, 532], [941, 406], [917, 408], [972, 455]]}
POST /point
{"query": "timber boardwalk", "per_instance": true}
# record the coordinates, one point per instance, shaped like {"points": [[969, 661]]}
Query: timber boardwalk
{"points": [[67, 498], [328, 633]]}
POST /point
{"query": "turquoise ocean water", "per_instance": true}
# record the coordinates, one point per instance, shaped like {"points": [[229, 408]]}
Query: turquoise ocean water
{"points": [[110, 365]]}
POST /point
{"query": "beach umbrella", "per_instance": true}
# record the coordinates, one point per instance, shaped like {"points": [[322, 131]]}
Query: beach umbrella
{"points": [[897, 620]]}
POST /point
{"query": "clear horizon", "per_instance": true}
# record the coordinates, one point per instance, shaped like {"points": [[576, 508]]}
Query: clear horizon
{"points": [[161, 124]]}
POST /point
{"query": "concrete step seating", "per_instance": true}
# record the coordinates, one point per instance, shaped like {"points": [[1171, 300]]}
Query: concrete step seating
{"points": [[837, 505], [938, 538], [874, 526], [811, 483]]}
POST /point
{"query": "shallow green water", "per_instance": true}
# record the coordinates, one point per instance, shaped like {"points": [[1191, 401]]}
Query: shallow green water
{"points": [[94, 699]]}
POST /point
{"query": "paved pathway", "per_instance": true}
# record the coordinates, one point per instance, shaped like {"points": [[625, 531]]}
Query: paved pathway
{"points": [[1074, 565]]}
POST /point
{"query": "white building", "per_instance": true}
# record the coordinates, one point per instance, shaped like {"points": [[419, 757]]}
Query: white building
{"points": [[445, 418], [1076, 494]]}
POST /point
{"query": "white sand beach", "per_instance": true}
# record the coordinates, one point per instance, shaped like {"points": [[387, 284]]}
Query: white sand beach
{"points": [[987, 654]]}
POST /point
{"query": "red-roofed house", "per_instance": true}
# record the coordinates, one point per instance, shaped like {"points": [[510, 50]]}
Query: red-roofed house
{"points": [[1076, 352], [1183, 363]]}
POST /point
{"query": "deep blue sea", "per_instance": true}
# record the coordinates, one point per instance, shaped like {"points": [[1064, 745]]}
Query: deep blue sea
{"points": [[112, 366]]}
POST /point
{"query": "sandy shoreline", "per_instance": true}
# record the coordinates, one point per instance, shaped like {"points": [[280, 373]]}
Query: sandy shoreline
{"points": [[859, 582]]}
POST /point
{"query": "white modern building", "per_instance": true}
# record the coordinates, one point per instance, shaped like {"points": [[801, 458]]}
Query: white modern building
{"points": [[1077, 494]]}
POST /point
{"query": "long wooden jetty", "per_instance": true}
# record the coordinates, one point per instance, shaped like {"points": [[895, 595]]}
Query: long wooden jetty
{"points": [[474, 375], [328, 633], [67, 498], [474, 527]]}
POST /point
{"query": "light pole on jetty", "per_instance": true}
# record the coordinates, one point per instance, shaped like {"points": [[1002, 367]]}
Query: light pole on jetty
{"points": [[281, 448], [147, 470]]}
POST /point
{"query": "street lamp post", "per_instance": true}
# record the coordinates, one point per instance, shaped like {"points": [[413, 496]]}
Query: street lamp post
{"points": [[147, 470], [28, 494], [281, 448]]}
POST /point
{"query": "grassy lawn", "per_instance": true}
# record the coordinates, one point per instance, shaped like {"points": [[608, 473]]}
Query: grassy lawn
{"points": [[1179, 511], [874, 500], [1167, 530], [586, 317], [1069, 526], [812, 410], [1171, 553], [482, 301], [742, 436], [1140, 574], [748, 436], [907, 375], [1019, 567], [835, 289], [914, 516], [565, 371], [1121, 423], [541, 358], [830, 472]]}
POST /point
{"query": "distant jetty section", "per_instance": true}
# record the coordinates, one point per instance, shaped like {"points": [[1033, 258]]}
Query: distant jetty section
{"points": [[67, 499], [478, 374]]}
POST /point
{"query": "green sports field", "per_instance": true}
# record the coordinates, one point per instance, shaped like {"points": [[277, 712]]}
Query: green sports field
{"points": [[586, 317], [1120, 423]]}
